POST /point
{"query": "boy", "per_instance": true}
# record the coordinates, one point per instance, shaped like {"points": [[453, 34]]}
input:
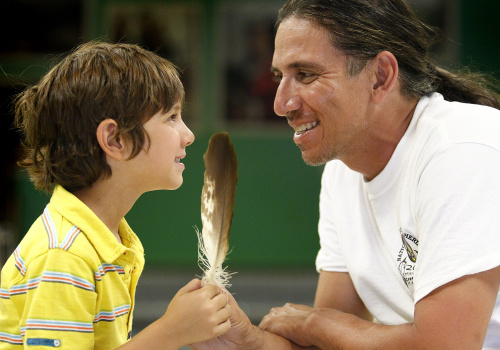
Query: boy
{"points": [[100, 129]]}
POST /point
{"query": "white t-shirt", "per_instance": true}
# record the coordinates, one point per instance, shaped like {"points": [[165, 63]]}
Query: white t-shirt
{"points": [[431, 216]]}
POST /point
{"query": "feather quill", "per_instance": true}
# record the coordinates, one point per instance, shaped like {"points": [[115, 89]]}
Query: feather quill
{"points": [[217, 203]]}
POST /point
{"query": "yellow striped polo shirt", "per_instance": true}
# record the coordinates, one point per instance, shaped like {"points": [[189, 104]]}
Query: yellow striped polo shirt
{"points": [[70, 284]]}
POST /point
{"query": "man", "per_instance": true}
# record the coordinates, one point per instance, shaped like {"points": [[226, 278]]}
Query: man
{"points": [[409, 223]]}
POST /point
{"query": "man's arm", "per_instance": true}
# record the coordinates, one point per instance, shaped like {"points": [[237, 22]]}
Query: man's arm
{"points": [[336, 291], [454, 316]]}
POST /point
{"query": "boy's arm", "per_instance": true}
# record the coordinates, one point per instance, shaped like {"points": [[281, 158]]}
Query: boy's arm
{"points": [[454, 316], [194, 315]]}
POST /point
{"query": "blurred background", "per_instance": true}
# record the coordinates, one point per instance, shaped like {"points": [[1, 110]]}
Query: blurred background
{"points": [[224, 49]]}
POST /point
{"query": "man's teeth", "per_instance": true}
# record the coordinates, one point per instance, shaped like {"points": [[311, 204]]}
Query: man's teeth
{"points": [[177, 160], [304, 127]]}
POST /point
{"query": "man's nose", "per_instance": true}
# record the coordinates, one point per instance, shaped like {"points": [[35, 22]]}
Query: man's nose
{"points": [[286, 99]]}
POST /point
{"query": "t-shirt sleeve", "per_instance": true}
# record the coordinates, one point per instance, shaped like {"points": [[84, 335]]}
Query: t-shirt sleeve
{"points": [[329, 257], [456, 208]]}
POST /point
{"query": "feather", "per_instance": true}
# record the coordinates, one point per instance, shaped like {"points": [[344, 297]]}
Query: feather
{"points": [[217, 202]]}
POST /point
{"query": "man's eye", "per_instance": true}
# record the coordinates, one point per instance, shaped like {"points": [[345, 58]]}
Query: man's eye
{"points": [[306, 77], [277, 78]]}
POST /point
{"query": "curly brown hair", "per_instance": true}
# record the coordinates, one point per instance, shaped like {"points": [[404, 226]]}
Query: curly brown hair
{"points": [[59, 116]]}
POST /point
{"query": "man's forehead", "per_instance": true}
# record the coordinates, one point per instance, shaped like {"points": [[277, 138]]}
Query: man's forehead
{"points": [[302, 42], [300, 32]]}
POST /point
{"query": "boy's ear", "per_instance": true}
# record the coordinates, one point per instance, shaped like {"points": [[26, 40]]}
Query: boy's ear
{"points": [[109, 141], [385, 66]]}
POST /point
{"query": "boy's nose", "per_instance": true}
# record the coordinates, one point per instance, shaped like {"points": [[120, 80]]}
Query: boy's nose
{"points": [[188, 136]]}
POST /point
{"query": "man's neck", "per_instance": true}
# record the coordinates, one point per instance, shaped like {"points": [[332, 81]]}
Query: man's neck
{"points": [[387, 131]]}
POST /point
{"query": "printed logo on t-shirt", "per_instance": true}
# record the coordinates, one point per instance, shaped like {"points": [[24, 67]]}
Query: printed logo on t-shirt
{"points": [[407, 257]]}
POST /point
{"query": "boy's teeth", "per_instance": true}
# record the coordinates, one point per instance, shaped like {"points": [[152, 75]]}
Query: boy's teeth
{"points": [[304, 127]]}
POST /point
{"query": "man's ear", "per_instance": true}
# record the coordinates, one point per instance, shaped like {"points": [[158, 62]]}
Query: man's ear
{"points": [[386, 69], [109, 140]]}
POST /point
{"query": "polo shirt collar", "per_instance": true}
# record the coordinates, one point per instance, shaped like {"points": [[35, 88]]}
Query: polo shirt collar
{"points": [[103, 240]]}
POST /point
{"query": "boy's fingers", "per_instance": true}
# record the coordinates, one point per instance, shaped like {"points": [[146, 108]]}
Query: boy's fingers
{"points": [[211, 290], [195, 284], [221, 316], [226, 312], [220, 300], [223, 328]]}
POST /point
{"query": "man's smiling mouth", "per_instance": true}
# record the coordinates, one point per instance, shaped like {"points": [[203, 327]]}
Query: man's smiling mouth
{"points": [[299, 130]]}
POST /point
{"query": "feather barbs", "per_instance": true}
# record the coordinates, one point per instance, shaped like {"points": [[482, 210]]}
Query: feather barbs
{"points": [[217, 202]]}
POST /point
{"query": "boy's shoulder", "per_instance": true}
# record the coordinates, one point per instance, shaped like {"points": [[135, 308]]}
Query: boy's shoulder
{"points": [[32, 246], [49, 245]]}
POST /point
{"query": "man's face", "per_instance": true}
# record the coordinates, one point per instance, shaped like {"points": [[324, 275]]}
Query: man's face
{"points": [[327, 109]]}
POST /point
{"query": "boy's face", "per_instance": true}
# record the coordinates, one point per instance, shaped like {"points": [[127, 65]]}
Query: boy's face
{"points": [[159, 163]]}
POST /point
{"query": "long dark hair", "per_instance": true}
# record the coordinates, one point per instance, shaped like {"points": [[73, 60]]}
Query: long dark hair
{"points": [[363, 28]]}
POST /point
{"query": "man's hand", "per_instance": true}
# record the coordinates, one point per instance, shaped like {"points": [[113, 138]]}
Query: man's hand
{"points": [[245, 336], [284, 320]]}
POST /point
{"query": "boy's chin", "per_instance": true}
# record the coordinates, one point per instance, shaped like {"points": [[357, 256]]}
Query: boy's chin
{"points": [[174, 186], [167, 187]]}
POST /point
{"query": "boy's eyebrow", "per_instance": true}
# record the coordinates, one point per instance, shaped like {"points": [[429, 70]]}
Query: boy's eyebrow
{"points": [[300, 64], [176, 108]]}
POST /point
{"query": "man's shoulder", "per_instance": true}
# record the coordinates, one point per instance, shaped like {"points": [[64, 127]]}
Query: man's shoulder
{"points": [[447, 123], [438, 110]]}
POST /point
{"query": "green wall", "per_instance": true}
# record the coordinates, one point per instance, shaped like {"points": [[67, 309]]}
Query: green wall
{"points": [[276, 208], [275, 212]]}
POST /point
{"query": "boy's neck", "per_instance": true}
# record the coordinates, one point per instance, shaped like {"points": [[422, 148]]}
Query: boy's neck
{"points": [[110, 204]]}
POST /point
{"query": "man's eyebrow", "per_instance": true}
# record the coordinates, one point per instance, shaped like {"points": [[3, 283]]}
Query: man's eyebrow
{"points": [[300, 64]]}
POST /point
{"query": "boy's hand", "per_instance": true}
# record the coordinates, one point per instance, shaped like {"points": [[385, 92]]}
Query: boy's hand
{"points": [[198, 313], [237, 338]]}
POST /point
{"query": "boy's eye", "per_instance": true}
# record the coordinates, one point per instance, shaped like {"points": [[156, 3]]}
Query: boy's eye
{"points": [[172, 117]]}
